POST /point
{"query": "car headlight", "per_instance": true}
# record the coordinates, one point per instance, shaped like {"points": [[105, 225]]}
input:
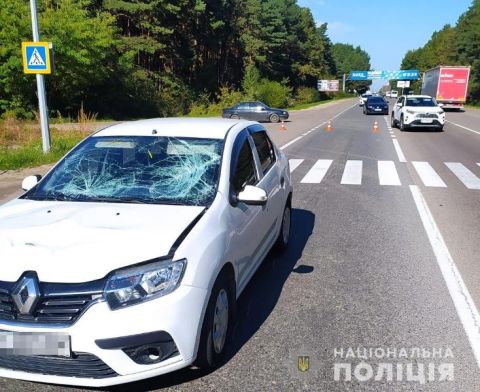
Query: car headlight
{"points": [[133, 285], [370, 107], [410, 111]]}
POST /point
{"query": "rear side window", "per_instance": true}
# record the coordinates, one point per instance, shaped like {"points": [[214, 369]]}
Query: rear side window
{"points": [[245, 171], [265, 150]]}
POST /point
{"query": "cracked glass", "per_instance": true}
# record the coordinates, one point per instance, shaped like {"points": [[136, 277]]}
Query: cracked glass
{"points": [[137, 169]]}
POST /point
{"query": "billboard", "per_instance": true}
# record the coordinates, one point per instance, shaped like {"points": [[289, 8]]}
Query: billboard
{"points": [[328, 85], [403, 83], [404, 74]]}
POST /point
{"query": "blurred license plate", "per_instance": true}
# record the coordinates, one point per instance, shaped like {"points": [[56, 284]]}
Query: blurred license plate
{"points": [[426, 120], [37, 343], [377, 109]]}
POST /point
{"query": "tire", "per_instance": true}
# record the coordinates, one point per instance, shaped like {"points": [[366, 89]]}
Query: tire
{"points": [[402, 125], [211, 349], [274, 118], [284, 236], [235, 117], [393, 123], [440, 129]]}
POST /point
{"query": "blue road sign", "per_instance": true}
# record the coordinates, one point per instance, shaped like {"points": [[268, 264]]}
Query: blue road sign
{"points": [[409, 74], [36, 57]]}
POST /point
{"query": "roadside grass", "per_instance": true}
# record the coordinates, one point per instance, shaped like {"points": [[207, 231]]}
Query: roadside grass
{"points": [[21, 144], [313, 104], [215, 110], [476, 106]]}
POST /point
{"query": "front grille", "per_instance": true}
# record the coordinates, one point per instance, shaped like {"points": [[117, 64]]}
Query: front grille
{"points": [[51, 310], [58, 303], [80, 365], [427, 115]]}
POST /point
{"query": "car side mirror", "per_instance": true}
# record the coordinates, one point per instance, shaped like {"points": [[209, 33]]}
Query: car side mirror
{"points": [[441, 105], [252, 195], [30, 181]]}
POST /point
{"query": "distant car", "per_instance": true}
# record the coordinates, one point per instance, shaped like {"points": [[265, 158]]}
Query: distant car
{"points": [[388, 94], [126, 260], [363, 98], [417, 111], [394, 94], [255, 111], [375, 105]]}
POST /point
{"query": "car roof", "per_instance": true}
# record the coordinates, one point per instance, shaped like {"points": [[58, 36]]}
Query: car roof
{"points": [[417, 96], [208, 128]]}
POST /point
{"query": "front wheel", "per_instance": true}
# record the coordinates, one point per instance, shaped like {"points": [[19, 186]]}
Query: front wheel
{"points": [[284, 235], [217, 323], [274, 118], [392, 121], [403, 127]]}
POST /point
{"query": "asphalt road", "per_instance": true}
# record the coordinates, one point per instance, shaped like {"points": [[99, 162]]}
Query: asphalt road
{"points": [[381, 276]]}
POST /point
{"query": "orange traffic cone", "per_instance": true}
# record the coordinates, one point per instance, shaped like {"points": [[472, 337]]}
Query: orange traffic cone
{"points": [[329, 126], [283, 127], [375, 127]]}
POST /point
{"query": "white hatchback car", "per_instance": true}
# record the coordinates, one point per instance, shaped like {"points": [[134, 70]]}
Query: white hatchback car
{"points": [[417, 111], [125, 261]]}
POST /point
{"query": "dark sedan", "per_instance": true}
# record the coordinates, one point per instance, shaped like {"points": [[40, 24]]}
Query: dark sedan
{"points": [[375, 105], [256, 111]]}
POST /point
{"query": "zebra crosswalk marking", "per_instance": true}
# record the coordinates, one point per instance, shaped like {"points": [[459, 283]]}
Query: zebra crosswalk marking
{"points": [[428, 175], [470, 180], [316, 174]]}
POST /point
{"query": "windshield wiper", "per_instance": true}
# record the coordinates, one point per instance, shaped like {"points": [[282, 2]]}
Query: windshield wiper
{"points": [[51, 196], [109, 199]]}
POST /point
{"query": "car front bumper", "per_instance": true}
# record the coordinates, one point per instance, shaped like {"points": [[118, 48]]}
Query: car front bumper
{"points": [[177, 315], [419, 124]]}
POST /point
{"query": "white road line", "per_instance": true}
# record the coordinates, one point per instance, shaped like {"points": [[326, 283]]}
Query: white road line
{"points": [[317, 172], [461, 126], [478, 164], [387, 173], [291, 142], [299, 137], [428, 175], [399, 151], [464, 305], [352, 175], [470, 180], [294, 163]]}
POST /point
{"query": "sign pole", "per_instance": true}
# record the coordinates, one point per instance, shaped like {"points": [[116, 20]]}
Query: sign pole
{"points": [[42, 100], [344, 79]]}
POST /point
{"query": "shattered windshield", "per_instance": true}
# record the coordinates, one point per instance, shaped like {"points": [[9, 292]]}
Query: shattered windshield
{"points": [[143, 169]]}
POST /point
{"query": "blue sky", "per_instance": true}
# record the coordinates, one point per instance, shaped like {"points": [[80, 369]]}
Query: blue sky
{"points": [[385, 29]]}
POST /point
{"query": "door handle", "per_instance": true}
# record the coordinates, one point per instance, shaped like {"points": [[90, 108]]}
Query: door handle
{"points": [[282, 181]]}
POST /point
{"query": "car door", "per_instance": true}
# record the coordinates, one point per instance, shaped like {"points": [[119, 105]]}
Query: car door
{"points": [[259, 112], [272, 181], [245, 220], [398, 108]]}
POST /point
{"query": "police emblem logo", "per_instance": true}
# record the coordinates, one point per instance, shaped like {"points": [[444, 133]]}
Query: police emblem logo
{"points": [[303, 363]]}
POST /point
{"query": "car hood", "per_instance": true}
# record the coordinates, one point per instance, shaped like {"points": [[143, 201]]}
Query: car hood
{"points": [[424, 109], [79, 242]]}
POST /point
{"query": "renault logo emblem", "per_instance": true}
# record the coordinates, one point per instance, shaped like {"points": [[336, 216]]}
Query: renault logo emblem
{"points": [[26, 293]]}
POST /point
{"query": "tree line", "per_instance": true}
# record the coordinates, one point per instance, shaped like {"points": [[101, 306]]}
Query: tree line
{"points": [[139, 58], [452, 45]]}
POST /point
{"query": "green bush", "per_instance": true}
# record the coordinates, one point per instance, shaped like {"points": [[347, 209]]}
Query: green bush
{"points": [[224, 99], [306, 95], [273, 93]]}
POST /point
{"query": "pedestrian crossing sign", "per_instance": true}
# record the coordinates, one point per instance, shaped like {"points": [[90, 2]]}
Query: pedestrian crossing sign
{"points": [[36, 58]]}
